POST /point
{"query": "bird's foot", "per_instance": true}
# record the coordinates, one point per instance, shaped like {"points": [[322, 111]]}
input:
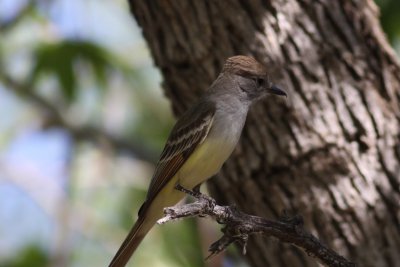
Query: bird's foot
{"points": [[197, 195], [197, 188], [193, 193]]}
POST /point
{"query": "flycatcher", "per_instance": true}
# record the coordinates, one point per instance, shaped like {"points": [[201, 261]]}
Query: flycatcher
{"points": [[200, 142]]}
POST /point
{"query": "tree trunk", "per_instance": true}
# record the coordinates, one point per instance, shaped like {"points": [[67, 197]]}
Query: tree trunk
{"points": [[331, 152]]}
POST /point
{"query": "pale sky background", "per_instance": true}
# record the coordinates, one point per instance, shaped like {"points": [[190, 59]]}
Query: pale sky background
{"points": [[34, 164]]}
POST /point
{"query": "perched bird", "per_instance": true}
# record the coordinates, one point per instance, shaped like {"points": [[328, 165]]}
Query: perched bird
{"points": [[200, 142]]}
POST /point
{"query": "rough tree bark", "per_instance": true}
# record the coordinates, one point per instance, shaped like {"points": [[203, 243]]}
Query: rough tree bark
{"points": [[331, 152]]}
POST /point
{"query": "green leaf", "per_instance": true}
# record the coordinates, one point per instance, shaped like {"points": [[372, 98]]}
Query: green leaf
{"points": [[31, 255], [60, 59]]}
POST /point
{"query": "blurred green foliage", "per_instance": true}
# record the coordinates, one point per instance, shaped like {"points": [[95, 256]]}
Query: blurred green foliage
{"points": [[61, 60], [32, 256], [106, 86], [390, 18], [182, 240]]}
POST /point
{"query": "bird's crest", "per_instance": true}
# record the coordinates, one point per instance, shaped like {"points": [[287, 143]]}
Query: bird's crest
{"points": [[244, 66]]}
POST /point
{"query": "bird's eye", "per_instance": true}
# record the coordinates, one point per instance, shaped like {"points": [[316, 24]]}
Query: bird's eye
{"points": [[259, 82]]}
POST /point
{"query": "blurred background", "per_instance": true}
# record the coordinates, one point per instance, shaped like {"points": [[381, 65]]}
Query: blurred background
{"points": [[83, 119]]}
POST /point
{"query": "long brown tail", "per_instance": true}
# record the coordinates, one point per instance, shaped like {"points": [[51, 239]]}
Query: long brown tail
{"points": [[132, 241]]}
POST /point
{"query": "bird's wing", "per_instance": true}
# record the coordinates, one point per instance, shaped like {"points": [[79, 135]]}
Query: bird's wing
{"points": [[190, 131]]}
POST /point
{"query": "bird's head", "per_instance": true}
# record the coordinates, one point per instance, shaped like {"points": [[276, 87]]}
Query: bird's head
{"points": [[251, 77]]}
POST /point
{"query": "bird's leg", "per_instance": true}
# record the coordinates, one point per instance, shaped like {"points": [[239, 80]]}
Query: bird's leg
{"points": [[194, 193], [196, 189]]}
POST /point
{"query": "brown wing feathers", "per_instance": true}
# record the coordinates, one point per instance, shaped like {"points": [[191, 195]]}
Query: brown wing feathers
{"points": [[181, 143]]}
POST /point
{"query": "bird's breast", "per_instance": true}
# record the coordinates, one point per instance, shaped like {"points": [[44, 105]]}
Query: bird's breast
{"points": [[209, 156]]}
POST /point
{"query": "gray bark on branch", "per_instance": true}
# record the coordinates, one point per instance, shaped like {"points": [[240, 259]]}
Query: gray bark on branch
{"points": [[239, 226]]}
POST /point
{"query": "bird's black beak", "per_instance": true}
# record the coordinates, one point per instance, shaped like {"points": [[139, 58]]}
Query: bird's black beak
{"points": [[276, 90]]}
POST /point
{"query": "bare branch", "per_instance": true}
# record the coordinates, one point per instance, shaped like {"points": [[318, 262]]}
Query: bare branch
{"points": [[239, 226]]}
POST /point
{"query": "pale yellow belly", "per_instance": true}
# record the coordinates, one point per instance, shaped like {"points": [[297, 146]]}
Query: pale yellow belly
{"points": [[205, 162]]}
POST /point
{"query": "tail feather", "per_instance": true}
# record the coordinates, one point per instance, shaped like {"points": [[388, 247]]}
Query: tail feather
{"points": [[132, 241]]}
